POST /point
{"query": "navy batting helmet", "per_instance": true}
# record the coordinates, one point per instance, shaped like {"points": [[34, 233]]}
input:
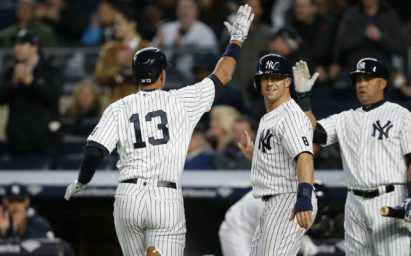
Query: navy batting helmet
{"points": [[147, 65], [272, 64], [370, 67]]}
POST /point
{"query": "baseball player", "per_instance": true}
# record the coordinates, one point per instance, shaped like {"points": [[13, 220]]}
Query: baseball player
{"points": [[282, 163], [151, 131], [240, 222], [375, 143]]}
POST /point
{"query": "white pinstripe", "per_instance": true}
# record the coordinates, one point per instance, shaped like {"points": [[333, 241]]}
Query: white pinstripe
{"points": [[275, 234], [145, 214], [274, 172], [369, 163]]}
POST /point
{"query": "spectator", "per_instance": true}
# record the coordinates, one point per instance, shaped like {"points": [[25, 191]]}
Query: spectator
{"points": [[68, 18], [31, 87], [100, 29], [85, 108], [213, 13], [371, 29], [317, 33], [252, 48], [26, 20], [113, 67], [200, 155], [18, 220], [221, 125], [231, 157], [185, 32], [203, 65]]}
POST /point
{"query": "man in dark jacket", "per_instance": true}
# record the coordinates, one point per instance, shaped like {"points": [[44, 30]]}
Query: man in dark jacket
{"points": [[31, 87], [18, 220]]}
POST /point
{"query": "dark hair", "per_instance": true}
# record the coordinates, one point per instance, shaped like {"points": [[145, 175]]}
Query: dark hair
{"points": [[127, 12]]}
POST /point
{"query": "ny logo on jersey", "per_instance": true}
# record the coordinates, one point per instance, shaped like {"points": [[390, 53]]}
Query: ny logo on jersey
{"points": [[264, 142], [383, 130], [271, 65]]}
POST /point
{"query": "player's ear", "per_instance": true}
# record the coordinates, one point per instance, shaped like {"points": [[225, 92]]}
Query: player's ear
{"points": [[162, 76], [288, 81]]}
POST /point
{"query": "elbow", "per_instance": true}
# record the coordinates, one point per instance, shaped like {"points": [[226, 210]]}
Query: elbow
{"points": [[225, 77]]}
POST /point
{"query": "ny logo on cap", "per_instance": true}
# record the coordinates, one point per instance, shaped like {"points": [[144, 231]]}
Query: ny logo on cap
{"points": [[361, 65], [271, 65]]}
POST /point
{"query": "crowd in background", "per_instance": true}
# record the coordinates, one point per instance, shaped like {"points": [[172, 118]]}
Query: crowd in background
{"points": [[67, 60]]}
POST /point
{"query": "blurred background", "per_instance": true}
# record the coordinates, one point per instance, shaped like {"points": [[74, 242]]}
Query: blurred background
{"points": [[85, 47]]}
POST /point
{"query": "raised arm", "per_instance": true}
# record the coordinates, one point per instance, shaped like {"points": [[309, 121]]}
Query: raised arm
{"points": [[238, 31], [303, 84]]}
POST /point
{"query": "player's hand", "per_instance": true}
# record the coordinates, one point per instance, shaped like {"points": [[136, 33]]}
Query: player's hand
{"points": [[241, 24], [303, 210], [248, 148], [302, 80], [407, 209], [74, 188]]}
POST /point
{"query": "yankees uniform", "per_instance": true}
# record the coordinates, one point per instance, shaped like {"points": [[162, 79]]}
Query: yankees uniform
{"points": [[239, 225], [282, 135], [373, 142], [151, 131], [237, 229]]}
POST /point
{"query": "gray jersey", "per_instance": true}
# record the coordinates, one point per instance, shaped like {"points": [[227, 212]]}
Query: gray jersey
{"points": [[152, 130], [372, 144], [282, 135]]}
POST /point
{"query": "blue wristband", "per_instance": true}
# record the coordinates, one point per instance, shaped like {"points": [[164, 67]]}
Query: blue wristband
{"points": [[233, 50], [304, 189], [304, 193]]}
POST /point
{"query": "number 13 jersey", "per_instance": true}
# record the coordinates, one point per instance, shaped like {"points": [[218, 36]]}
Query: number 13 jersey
{"points": [[152, 130]]}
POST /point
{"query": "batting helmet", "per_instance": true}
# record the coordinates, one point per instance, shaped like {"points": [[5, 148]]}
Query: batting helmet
{"points": [[272, 64], [147, 65], [370, 67]]}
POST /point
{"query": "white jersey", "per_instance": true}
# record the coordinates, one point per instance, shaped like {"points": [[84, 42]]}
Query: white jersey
{"points": [[282, 135], [152, 130], [372, 144]]}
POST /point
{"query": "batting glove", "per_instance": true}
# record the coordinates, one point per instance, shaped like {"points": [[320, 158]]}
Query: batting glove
{"points": [[407, 209], [302, 81], [74, 188], [241, 24]]}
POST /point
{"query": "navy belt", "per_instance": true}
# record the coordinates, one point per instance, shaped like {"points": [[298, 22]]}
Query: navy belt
{"points": [[266, 197], [373, 192], [160, 183]]}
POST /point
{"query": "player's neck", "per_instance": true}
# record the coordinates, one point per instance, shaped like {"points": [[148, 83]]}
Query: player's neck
{"points": [[151, 87], [271, 105]]}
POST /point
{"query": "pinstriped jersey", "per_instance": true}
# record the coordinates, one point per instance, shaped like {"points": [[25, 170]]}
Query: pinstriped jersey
{"points": [[283, 134], [373, 144], [152, 130]]}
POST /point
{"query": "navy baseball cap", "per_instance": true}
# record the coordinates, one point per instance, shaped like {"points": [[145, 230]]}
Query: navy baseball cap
{"points": [[16, 192], [25, 36]]}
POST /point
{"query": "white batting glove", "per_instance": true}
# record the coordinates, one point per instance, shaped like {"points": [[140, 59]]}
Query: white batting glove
{"points": [[74, 188], [302, 80], [407, 209], [241, 23]]}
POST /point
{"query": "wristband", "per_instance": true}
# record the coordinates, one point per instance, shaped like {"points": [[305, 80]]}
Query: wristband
{"points": [[233, 50], [304, 190], [304, 100], [409, 189]]}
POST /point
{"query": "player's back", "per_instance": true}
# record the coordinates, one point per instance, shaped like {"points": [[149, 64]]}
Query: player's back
{"points": [[154, 134]]}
